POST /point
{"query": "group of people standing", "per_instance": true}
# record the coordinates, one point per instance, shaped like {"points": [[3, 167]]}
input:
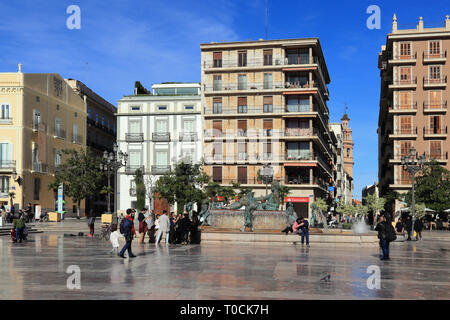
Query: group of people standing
{"points": [[407, 225], [177, 230]]}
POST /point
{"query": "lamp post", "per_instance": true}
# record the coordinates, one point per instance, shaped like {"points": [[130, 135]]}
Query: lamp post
{"points": [[110, 164], [413, 164], [267, 175]]}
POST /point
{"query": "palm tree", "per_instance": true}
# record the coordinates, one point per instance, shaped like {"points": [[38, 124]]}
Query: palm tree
{"points": [[12, 196], [108, 190]]}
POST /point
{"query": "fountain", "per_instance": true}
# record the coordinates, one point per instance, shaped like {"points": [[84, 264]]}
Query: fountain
{"points": [[360, 226]]}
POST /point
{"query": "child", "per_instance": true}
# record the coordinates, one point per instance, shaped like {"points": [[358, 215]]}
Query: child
{"points": [[114, 238]]}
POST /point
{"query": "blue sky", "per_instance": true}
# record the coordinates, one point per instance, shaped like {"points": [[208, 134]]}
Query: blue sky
{"points": [[155, 41]]}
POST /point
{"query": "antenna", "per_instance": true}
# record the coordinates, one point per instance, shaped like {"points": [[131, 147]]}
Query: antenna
{"points": [[267, 23]]}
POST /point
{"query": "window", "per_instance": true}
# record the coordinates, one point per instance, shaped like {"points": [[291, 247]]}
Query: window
{"points": [[58, 159], [188, 107], [242, 58], [135, 126], [405, 177], [38, 99], [405, 50], [242, 128], [298, 105], [435, 73], [242, 150], [217, 150], [242, 175], [267, 149], [405, 75], [75, 133], [133, 108], [242, 104], [58, 125], [298, 56], [162, 108], [108, 124], [267, 127], [57, 107], [134, 158], [96, 117], [297, 127], [5, 154], [405, 148], [36, 189], [405, 125], [405, 98], [89, 113], [103, 121], [348, 152], [435, 149], [161, 126], [217, 82], [268, 104], [267, 81], [4, 185], [298, 150], [435, 48], [162, 158], [217, 105], [36, 119], [217, 174], [217, 128], [435, 99], [5, 111], [217, 57], [242, 82], [267, 57], [435, 124], [188, 125]]}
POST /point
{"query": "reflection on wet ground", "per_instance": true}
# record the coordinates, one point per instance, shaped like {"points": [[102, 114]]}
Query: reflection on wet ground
{"points": [[37, 270]]}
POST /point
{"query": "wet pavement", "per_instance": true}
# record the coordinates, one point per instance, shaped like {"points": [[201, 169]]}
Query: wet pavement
{"points": [[37, 270]]}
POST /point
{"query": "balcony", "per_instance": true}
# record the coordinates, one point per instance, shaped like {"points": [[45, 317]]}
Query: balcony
{"points": [[188, 136], [435, 133], [161, 137], [7, 165], [59, 133], [441, 158], [403, 109], [293, 60], [40, 167], [404, 84], [435, 108], [243, 87], [160, 169], [435, 58], [131, 169], [404, 59], [134, 137], [435, 82], [404, 133], [38, 126], [236, 111]]}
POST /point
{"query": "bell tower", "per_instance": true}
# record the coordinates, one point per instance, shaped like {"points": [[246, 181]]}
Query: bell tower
{"points": [[348, 145]]}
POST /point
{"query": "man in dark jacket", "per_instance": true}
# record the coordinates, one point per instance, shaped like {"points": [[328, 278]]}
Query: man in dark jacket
{"points": [[183, 227], [408, 227], [418, 227], [128, 233], [384, 243]]}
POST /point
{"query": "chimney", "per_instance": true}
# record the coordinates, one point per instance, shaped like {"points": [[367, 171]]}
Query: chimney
{"points": [[20, 68], [447, 22], [394, 24], [420, 25]]}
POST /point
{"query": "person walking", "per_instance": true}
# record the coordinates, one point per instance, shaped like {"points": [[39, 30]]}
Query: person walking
{"points": [[304, 228], [150, 220], [386, 234], [418, 227], [114, 238], [127, 229], [18, 226], [143, 229], [164, 226], [91, 223], [408, 227]]}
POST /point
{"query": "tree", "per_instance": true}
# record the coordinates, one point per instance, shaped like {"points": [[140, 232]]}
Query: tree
{"points": [[284, 192], [80, 175], [183, 184], [346, 209], [390, 197], [140, 189], [432, 188], [149, 183], [243, 191], [321, 204], [108, 191], [214, 189], [140, 89]]}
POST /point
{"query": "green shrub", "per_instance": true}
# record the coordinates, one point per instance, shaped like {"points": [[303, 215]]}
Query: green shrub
{"points": [[346, 226]]}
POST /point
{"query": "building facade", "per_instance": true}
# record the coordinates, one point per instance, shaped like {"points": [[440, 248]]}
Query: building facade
{"points": [[413, 103], [158, 130], [40, 116], [265, 113]]}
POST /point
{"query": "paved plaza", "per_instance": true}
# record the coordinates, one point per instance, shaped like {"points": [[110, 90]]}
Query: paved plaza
{"points": [[37, 268]]}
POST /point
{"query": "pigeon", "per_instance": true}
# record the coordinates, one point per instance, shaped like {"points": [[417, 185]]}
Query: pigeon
{"points": [[326, 278]]}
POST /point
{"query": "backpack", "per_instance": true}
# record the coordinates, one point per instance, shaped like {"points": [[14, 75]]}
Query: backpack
{"points": [[125, 226], [390, 233]]}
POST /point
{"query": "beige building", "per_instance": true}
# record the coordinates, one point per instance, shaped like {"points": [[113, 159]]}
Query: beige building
{"points": [[265, 104], [40, 116], [413, 102]]}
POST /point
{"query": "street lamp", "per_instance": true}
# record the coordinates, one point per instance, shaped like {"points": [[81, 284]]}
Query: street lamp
{"points": [[411, 165], [110, 164], [267, 175]]}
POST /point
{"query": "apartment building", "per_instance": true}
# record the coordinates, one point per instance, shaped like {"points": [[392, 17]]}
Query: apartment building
{"points": [[40, 116], [158, 130], [101, 132], [413, 103], [265, 113]]}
